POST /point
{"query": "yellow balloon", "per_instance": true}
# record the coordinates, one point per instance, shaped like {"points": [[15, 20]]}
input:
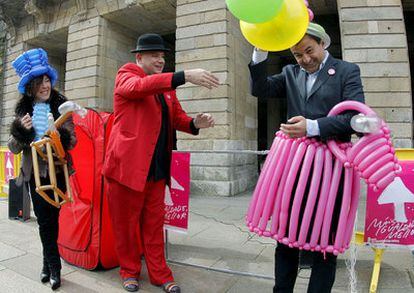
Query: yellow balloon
{"points": [[285, 30]]}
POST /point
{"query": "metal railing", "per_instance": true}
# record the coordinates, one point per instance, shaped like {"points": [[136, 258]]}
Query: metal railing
{"points": [[212, 268]]}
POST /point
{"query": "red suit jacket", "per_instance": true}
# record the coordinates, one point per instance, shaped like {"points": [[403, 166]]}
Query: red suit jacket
{"points": [[137, 124]]}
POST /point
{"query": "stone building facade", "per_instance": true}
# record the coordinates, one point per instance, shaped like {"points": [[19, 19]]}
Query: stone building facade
{"points": [[88, 40]]}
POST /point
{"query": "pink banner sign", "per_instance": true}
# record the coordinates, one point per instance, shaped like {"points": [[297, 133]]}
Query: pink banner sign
{"points": [[177, 195], [9, 166], [390, 212]]}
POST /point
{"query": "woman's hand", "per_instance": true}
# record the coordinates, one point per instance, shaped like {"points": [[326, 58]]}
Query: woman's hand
{"points": [[27, 121]]}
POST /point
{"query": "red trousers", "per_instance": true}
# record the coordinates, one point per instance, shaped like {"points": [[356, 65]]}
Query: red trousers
{"points": [[133, 213]]}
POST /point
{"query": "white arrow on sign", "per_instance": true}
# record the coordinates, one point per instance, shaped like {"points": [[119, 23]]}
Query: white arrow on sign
{"points": [[398, 194], [174, 185], [9, 167]]}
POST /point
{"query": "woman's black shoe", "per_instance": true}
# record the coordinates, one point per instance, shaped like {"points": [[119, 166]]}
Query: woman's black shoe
{"points": [[55, 280], [45, 274]]}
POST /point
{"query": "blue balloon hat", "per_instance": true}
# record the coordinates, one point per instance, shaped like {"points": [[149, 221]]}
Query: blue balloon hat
{"points": [[31, 64]]}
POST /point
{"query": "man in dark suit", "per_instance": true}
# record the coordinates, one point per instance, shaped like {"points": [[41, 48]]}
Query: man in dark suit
{"points": [[312, 88]]}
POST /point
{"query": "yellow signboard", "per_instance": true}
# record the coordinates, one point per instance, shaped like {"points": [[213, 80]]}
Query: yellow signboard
{"points": [[405, 154]]}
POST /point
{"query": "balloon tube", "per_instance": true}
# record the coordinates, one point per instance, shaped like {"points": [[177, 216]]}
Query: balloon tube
{"points": [[371, 158], [344, 213], [283, 216], [275, 181], [259, 184], [364, 141], [368, 149], [279, 195], [266, 185], [376, 165], [300, 190], [382, 172], [313, 195], [327, 219], [353, 210], [326, 185]]}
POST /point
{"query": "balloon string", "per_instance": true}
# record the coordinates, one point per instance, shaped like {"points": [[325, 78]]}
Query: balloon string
{"points": [[350, 262]]}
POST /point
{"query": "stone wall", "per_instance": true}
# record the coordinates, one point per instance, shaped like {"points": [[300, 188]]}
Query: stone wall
{"points": [[209, 37], [83, 65], [2, 56], [10, 94], [374, 37], [46, 29], [118, 41], [89, 40], [409, 26], [96, 49]]}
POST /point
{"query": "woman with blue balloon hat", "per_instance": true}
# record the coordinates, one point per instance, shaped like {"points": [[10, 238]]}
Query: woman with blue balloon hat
{"points": [[38, 101]]}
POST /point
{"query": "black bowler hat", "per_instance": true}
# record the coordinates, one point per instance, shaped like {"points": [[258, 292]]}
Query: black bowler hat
{"points": [[150, 42]]}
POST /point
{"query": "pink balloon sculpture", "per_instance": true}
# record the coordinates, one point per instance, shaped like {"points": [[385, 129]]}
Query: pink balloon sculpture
{"points": [[296, 194], [311, 15], [310, 12]]}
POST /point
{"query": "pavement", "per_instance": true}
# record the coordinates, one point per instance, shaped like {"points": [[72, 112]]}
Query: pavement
{"points": [[218, 254]]}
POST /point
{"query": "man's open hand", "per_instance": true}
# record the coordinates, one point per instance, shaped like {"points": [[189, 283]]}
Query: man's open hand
{"points": [[203, 120], [201, 77]]}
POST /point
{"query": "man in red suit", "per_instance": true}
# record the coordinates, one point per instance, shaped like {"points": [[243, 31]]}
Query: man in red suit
{"points": [[137, 164]]}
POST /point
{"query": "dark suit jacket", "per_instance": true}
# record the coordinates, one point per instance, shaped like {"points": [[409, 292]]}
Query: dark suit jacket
{"points": [[343, 82]]}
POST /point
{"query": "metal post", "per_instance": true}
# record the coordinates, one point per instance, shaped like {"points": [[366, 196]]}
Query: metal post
{"points": [[226, 271], [166, 244]]}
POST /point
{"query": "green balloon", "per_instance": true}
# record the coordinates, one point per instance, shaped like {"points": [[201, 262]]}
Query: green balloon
{"points": [[254, 11]]}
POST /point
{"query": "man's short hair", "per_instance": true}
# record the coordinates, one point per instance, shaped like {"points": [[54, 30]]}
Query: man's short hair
{"points": [[318, 40], [318, 31]]}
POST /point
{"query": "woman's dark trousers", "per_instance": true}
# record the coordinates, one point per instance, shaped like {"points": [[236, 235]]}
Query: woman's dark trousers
{"points": [[48, 220]]}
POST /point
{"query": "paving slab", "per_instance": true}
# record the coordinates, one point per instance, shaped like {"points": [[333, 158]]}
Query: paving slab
{"points": [[14, 282], [201, 280], [21, 265], [408, 290], [9, 252], [217, 239], [4, 208], [79, 281], [194, 255], [30, 265], [246, 284], [13, 232]]}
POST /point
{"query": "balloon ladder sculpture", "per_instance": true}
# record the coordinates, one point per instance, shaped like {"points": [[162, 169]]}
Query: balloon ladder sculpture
{"points": [[50, 149], [307, 224]]}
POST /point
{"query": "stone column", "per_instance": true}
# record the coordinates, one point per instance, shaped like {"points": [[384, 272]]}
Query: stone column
{"points": [[3, 33], [209, 37], [97, 47], [10, 80], [83, 61], [374, 37]]}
